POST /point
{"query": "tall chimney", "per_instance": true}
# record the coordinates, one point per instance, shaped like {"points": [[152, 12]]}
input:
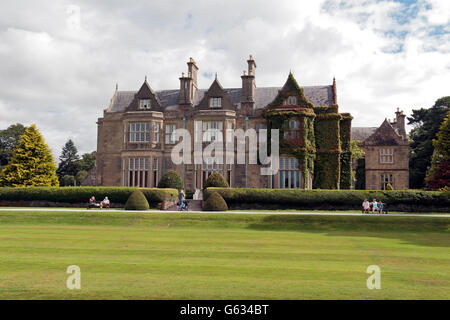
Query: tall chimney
{"points": [[188, 85], [334, 91], [248, 86], [251, 66], [186, 90], [400, 122]]}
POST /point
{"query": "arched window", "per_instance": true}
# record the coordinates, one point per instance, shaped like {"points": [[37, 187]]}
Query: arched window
{"points": [[291, 100]]}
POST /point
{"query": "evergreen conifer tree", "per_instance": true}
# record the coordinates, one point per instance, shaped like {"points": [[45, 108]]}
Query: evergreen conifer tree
{"points": [[32, 163], [69, 161]]}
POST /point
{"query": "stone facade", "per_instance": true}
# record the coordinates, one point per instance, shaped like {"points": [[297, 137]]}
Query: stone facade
{"points": [[134, 140], [386, 154]]}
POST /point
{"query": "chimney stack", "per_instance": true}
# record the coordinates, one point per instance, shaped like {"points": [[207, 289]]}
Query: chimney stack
{"points": [[248, 86], [334, 91], [400, 122], [188, 85]]}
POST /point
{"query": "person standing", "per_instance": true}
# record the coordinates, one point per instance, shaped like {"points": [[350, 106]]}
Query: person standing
{"points": [[181, 197]]}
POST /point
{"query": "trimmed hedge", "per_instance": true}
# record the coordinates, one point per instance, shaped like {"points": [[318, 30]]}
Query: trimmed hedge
{"points": [[137, 201], [171, 179], [398, 200], [215, 179], [118, 195], [215, 203]]}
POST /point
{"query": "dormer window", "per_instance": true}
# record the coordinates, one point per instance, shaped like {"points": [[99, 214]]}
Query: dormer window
{"points": [[291, 100], [215, 102], [144, 104]]}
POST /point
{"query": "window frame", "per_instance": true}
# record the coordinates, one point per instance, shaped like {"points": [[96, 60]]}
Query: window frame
{"points": [[386, 156], [215, 102], [209, 133], [148, 105], [141, 135], [169, 138], [156, 132]]}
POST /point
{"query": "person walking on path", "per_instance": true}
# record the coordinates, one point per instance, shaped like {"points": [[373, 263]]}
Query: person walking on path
{"points": [[181, 197]]}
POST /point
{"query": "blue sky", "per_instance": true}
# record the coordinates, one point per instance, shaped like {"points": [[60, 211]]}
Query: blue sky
{"points": [[62, 60]]}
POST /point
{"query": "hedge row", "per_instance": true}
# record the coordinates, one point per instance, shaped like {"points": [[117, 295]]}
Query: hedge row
{"points": [[118, 195], [398, 200]]}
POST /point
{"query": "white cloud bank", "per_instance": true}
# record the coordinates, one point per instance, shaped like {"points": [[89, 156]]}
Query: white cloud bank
{"points": [[60, 60]]}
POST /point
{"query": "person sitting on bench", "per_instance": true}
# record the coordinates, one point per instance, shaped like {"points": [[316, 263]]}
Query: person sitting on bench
{"points": [[104, 203], [92, 203]]}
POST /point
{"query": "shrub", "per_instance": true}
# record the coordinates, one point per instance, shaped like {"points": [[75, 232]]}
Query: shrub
{"points": [[190, 194], [401, 200], [389, 187], [216, 180], [171, 179], [67, 180], [215, 202], [117, 195], [137, 201], [155, 196]]}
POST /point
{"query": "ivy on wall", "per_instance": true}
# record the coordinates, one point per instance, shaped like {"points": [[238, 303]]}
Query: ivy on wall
{"points": [[328, 144], [346, 154], [319, 147]]}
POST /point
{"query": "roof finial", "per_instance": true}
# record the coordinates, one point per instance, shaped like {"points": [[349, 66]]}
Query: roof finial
{"points": [[117, 86], [216, 75], [145, 78]]}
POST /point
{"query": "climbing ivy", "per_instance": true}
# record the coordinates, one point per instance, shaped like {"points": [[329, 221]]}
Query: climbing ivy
{"points": [[328, 148], [324, 142], [346, 155]]}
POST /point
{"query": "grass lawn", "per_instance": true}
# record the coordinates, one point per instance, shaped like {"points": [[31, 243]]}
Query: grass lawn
{"points": [[125, 255]]}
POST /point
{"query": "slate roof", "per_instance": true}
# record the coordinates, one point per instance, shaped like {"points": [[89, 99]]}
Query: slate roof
{"points": [[319, 95], [362, 133]]}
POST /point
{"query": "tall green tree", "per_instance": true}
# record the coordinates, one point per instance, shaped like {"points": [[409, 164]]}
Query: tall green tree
{"points": [[32, 163], [8, 141], [358, 179], [426, 124], [68, 160], [87, 161], [439, 174]]}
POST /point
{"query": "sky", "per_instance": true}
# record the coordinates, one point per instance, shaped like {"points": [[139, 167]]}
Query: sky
{"points": [[61, 60]]}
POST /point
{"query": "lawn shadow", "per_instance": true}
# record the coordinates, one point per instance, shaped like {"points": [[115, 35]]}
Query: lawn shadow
{"points": [[408, 229]]}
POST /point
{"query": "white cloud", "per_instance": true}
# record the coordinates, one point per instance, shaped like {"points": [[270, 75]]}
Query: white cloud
{"points": [[60, 68]]}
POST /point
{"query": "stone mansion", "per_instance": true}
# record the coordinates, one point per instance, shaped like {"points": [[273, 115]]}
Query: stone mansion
{"points": [[135, 140]]}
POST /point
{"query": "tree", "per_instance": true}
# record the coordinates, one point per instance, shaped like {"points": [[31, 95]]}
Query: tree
{"points": [[67, 180], [8, 141], [357, 154], [426, 124], [32, 163], [81, 175], [69, 160], [87, 161], [439, 174], [171, 179]]}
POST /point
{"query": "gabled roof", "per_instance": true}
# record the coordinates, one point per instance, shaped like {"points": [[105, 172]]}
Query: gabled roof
{"points": [[216, 90], [319, 95], [385, 135]]}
